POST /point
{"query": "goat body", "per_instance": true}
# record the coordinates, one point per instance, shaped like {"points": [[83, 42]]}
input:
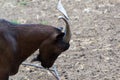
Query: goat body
{"points": [[19, 41]]}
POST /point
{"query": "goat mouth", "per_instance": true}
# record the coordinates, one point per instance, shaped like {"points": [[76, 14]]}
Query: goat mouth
{"points": [[46, 66]]}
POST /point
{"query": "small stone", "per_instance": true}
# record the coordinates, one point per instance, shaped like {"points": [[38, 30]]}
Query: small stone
{"points": [[78, 71], [82, 66]]}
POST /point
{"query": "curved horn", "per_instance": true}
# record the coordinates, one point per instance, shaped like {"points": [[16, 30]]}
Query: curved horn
{"points": [[67, 31]]}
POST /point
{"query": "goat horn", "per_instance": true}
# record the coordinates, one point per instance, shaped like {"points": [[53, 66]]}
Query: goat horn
{"points": [[67, 31], [61, 9]]}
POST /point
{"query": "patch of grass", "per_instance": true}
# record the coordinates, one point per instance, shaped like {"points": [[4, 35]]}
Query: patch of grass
{"points": [[23, 2], [44, 22], [15, 22]]}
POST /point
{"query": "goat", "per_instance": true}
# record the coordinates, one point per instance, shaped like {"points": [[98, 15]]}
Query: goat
{"points": [[19, 41]]}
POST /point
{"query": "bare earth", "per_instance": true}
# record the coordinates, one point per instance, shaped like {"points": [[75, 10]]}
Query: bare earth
{"points": [[95, 46]]}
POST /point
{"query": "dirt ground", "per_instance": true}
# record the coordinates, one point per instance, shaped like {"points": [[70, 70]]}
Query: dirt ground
{"points": [[95, 46]]}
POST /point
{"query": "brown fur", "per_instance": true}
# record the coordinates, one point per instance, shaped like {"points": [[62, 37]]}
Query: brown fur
{"points": [[19, 41]]}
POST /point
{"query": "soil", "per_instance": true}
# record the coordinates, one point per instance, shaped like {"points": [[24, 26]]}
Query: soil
{"points": [[95, 45]]}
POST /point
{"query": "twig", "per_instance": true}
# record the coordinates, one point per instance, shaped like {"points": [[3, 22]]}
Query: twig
{"points": [[28, 64], [55, 74]]}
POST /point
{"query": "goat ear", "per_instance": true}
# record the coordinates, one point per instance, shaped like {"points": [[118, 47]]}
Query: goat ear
{"points": [[60, 36]]}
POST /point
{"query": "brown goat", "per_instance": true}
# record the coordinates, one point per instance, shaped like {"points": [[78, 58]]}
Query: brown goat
{"points": [[19, 41]]}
